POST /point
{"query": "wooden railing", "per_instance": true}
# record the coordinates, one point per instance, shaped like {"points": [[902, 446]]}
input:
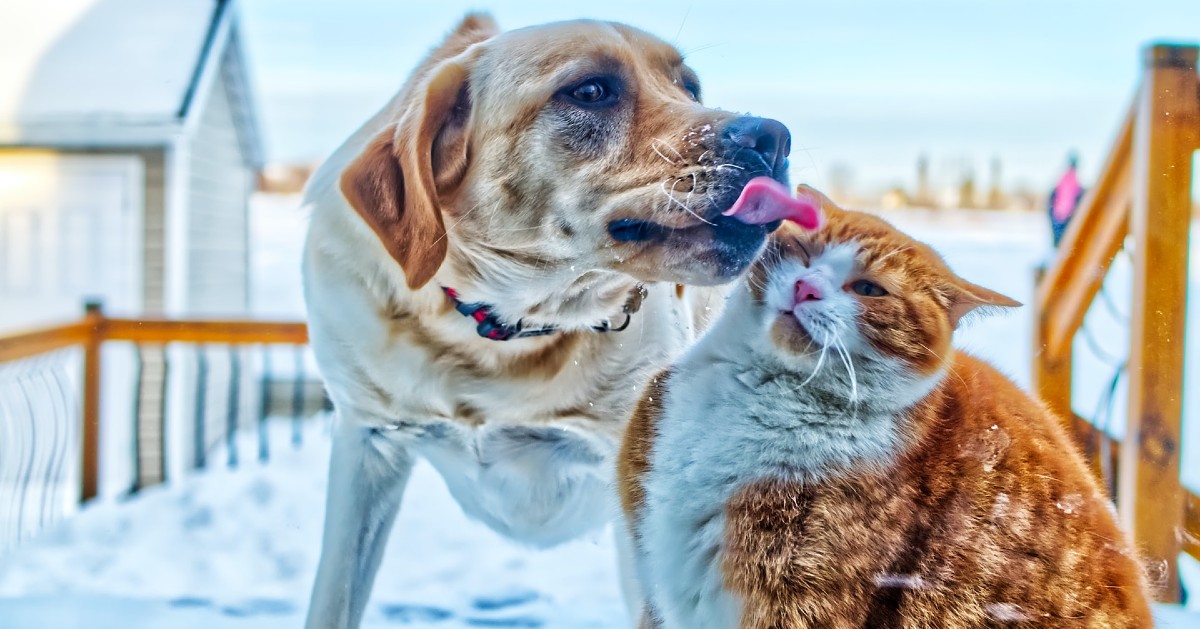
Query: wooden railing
{"points": [[1143, 192], [95, 330]]}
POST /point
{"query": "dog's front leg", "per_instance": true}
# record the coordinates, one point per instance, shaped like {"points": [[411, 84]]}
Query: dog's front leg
{"points": [[367, 475], [627, 571]]}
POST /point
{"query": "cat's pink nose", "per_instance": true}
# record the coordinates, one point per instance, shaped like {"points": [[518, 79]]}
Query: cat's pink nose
{"points": [[806, 292]]}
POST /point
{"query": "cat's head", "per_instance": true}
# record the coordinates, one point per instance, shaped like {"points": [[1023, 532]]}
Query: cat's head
{"points": [[859, 287]]}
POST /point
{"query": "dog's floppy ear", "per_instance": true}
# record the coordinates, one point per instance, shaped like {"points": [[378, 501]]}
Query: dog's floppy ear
{"points": [[392, 183]]}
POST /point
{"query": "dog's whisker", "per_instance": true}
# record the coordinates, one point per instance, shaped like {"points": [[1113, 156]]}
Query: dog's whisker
{"points": [[686, 204], [654, 146], [691, 190], [671, 197]]}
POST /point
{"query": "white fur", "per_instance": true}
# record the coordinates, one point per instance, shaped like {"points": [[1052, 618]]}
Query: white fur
{"points": [[738, 410]]}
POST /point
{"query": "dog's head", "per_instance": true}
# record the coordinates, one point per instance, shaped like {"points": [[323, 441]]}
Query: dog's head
{"points": [[560, 155]]}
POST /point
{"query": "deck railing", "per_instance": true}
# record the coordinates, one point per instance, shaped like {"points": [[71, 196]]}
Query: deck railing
{"points": [[53, 382], [1141, 204]]}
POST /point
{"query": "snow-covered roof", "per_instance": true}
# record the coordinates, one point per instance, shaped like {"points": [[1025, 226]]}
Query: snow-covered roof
{"points": [[104, 72]]}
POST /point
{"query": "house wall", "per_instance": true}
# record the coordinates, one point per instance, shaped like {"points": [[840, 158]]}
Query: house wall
{"points": [[149, 200], [154, 227], [219, 181], [219, 185]]}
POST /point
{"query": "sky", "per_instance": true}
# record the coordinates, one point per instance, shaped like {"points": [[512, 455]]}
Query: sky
{"points": [[866, 86]]}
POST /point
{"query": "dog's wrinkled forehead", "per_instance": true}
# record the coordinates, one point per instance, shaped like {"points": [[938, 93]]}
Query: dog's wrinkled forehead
{"points": [[525, 67]]}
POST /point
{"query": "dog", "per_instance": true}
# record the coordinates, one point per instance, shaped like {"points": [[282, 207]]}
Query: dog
{"points": [[496, 264]]}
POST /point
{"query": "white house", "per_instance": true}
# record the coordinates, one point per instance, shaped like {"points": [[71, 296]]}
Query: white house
{"points": [[128, 152]]}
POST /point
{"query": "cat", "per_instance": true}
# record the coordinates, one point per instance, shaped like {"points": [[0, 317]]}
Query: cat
{"points": [[823, 457]]}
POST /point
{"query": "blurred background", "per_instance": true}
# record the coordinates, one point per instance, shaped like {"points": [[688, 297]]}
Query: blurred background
{"points": [[152, 156]]}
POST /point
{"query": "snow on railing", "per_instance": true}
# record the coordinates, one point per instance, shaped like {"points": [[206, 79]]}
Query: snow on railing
{"points": [[130, 401]]}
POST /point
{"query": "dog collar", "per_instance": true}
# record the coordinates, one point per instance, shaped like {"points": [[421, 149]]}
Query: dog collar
{"points": [[489, 326]]}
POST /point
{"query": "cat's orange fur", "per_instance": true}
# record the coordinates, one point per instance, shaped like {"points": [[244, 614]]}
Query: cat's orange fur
{"points": [[985, 516]]}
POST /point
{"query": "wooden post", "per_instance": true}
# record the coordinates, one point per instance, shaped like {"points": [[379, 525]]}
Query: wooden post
{"points": [[1051, 373], [90, 457], [1165, 136]]}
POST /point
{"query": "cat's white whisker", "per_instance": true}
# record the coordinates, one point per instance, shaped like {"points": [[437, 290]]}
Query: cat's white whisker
{"points": [[820, 361], [849, 364]]}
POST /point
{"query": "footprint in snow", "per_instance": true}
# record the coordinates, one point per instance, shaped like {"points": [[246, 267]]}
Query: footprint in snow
{"points": [[259, 606], [190, 601], [504, 601], [401, 613]]}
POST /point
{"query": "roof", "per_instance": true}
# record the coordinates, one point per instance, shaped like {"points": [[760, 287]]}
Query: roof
{"points": [[111, 72]]}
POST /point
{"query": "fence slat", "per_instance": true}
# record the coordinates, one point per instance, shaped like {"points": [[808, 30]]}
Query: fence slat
{"points": [[231, 417], [200, 448], [298, 397], [26, 474], [139, 372], [264, 407]]}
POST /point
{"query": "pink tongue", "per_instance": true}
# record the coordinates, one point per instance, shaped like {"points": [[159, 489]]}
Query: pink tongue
{"points": [[765, 200]]}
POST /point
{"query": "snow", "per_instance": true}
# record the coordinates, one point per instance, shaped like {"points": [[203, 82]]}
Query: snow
{"points": [[232, 549], [85, 62], [238, 548], [232, 545]]}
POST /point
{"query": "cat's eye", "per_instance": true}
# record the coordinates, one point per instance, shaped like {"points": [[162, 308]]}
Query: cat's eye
{"points": [[868, 289]]}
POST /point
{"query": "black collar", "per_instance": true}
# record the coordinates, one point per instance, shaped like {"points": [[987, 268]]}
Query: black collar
{"points": [[489, 326]]}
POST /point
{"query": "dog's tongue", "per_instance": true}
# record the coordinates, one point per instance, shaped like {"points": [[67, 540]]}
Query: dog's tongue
{"points": [[765, 200]]}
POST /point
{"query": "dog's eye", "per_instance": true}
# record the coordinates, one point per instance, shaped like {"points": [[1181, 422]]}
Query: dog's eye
{"points": [[593, 92], [693, 90], [868, 289]]}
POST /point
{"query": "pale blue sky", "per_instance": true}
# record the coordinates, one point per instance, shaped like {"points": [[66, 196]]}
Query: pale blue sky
{"points": [[866, 83]]}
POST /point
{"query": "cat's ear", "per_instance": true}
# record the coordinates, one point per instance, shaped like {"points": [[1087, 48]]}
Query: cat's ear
{"points": [[965, 297]]}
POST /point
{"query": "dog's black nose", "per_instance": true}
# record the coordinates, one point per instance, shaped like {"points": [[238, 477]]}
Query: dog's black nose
{"points": [[764, 136]]}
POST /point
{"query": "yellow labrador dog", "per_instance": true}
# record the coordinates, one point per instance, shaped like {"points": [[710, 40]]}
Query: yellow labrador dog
{"points": [[495, 267]]}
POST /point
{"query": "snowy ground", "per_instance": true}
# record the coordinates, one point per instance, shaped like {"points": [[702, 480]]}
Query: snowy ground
{"points": [[241, 545], [239, 548]]}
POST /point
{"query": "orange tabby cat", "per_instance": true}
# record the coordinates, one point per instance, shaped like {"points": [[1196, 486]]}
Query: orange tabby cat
{"points": [[824, 458]]}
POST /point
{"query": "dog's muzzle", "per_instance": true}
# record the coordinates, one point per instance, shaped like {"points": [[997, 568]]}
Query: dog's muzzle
{"points": [[752, 147]]}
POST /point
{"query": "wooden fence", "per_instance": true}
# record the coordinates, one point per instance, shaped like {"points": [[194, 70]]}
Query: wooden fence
{"points": [[1140, 203], [88, 337]]}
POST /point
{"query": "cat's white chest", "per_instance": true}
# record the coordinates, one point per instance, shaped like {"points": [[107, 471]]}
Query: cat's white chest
{"points": [[724, 428], [681, 532], [710, 444]]}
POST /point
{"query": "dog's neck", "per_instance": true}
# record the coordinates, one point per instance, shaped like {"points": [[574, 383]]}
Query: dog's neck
{"points": [[565, 299]]}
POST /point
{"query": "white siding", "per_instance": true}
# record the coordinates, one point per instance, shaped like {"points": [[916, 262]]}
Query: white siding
{"points": [[219, 186]]}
